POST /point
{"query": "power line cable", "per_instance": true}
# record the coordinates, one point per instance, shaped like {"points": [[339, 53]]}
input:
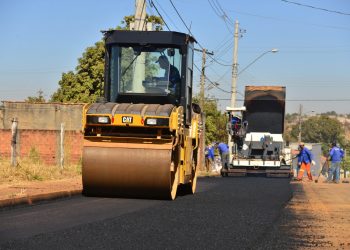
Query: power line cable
{"points": [[213, 70], [168, 16], [214, 9], [225, 16], [223, 75], [290, 21], [224, 50], [150, 10], [155, 7], [224, 41], [220, 12], [215, 85], [189, 31], [316, 8], [184, 23]]}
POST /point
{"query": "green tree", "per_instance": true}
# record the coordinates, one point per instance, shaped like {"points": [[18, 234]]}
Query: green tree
{"points": [[86, 83], [291, 117], [346, 162], [330, 113], [215, 121], [39, 98], [321, 129], [156, 20]]}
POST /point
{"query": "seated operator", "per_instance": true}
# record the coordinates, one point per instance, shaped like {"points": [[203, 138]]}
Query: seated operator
{"points": [[170, 71]]}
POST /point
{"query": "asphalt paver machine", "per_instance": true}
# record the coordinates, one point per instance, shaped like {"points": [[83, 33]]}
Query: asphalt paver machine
{"points": [[256, 134]]}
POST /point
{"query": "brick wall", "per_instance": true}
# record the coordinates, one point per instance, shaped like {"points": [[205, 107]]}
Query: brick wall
{"points": [[5, 143], [44, 142], [46, 116], [39, 127]]}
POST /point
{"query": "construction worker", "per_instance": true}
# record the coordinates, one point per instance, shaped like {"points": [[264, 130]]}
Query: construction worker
{"points": [[335, 155], [209, 157], [305, 159], [224, 154]]}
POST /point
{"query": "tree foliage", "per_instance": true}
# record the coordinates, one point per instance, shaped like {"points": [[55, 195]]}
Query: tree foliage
{"points": [[215, 121], [85, 84], [156, 20], [322, 129], [330, 113], [39, 98]]}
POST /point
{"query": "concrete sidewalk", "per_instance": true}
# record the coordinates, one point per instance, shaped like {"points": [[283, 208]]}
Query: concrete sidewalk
{"points": [[34, 191]]}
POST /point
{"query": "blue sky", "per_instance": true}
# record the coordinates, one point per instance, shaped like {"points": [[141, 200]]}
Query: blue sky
{"points": [[40, 39]]}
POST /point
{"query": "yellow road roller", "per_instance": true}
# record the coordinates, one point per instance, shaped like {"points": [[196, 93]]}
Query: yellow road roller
{"points": [[141, 139]]}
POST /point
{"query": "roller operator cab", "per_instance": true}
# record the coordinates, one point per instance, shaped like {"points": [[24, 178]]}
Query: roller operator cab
{"points": [[141, 139]]}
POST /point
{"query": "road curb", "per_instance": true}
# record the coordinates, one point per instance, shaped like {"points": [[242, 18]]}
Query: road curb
{"points": [[30, 199]]}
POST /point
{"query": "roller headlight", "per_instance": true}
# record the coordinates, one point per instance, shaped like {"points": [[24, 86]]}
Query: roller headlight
{"points": [[151, 121], [103, 119], [92, 119]]}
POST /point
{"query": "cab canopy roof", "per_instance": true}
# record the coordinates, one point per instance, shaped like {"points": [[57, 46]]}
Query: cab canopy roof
{"points": [[147, 37]]}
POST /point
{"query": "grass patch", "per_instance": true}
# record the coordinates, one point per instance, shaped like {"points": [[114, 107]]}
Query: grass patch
{"points": [[31, 169]]}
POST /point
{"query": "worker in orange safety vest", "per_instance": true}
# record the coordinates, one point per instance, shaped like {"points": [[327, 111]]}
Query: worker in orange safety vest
{"points": [[305, 159]]}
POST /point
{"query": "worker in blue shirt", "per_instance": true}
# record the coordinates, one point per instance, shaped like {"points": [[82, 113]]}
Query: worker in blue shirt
{"points": [[224, 154], [336, 155], [209, 157], [305, 159]]}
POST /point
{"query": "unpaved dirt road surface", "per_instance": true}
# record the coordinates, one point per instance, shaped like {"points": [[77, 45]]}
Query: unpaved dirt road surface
{"points": [[225, 213], [317, 217]]}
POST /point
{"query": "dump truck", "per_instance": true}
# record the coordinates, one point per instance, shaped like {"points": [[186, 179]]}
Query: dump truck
{"points": [[141, 138], [256, 133]]}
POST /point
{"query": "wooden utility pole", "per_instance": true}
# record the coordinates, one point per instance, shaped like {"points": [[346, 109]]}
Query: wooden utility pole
{"points": [[201, 103], [202, 84], [202, 79]]}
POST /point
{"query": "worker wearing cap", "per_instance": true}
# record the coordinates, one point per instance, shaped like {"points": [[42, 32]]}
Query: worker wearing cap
{"points": [[305, 159], [171, 72], [335, 155]]}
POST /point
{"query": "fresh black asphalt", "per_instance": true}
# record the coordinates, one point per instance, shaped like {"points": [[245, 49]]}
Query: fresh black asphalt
{"points": [[225, 213]]}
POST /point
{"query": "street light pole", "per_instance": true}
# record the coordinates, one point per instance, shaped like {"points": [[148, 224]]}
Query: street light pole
{"points": [[234, 82], [234, 66], [272, 51]]}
